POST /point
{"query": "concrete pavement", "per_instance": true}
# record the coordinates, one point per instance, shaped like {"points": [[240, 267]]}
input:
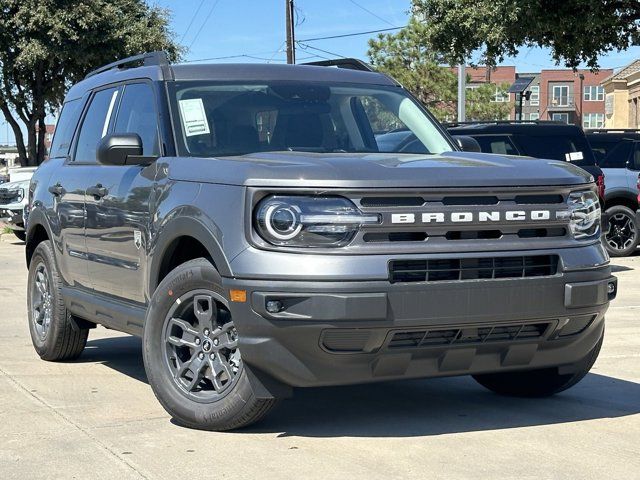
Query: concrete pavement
{"points": [[97, 418]]}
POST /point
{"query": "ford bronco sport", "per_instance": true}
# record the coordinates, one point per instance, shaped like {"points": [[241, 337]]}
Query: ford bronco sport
{"points": [[244, 221]]}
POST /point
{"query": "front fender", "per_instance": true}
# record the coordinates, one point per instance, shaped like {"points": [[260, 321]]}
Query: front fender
{"points": [[183, 224]]}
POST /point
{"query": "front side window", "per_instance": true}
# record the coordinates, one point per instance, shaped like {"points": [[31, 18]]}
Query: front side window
{"points": [[214, 119], [95, 124], [65, 128], [137, 114], [500, 144]]}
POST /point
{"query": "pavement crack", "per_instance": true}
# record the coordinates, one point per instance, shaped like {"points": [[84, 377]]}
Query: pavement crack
{"points": [[85, 431]]}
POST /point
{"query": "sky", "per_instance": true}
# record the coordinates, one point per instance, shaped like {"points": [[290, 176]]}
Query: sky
{"points": [[254, 31]]}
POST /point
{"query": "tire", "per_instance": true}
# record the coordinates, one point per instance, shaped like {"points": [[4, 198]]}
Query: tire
{"points": [[621, 237], [54, 334], [216, 393], [538, 383], [20, 234]]}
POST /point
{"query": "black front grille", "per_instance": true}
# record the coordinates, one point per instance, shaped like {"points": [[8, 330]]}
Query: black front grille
{"points": [[467, 335], [8, 196], [436, 270]]}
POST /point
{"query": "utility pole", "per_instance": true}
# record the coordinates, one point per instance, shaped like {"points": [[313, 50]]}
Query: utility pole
{"points": [[462, 92], [291, 36]]}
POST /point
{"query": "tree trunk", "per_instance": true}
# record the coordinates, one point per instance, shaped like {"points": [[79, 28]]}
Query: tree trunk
{"points": [[17, 132], [42, 133], [32, 142]]}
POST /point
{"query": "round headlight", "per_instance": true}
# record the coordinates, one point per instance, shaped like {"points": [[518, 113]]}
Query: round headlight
{"points": [[282, 221], [308, 221]]}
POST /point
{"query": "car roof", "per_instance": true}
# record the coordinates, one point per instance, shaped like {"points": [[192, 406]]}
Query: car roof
{"points": [[546, 128], [231, 72]]}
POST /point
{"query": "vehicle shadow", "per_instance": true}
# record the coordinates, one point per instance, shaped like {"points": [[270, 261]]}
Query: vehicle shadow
{"points": [[408, 408], [620, 268]]}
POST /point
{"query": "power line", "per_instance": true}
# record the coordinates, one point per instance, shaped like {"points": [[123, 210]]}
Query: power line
{"points": [[195, 14], [204, 23], [351, 34], [304, 46], [372, 13]]}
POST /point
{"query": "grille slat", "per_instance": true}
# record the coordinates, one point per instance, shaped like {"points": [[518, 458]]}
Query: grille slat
{"points": [[467, 335], [435, 270]]}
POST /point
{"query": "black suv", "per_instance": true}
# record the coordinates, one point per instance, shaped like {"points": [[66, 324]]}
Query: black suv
{"points": [[618, 154], [244, 220], [539, 139]]}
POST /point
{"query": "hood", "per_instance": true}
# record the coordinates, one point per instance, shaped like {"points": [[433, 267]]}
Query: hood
{"points": [[375, 170], [15, 185]]}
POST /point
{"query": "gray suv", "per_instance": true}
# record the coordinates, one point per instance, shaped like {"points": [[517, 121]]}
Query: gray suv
{"points": [[244, 221], [618, 154]]}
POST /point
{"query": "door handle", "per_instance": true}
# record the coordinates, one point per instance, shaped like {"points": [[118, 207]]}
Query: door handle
{"points": [[56, 190], [97, 191]]}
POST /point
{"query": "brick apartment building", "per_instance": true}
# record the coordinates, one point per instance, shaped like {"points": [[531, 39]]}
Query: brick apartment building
{"points": [[561, 95]]}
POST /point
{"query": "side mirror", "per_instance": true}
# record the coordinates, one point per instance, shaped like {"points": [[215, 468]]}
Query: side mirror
{"points": [[467, 143], [122, 149]]}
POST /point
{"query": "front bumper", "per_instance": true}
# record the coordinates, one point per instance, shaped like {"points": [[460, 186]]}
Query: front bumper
{"points": [[12, 217], [333, 333]]}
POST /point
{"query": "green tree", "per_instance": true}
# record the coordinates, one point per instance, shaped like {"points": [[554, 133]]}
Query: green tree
{"points": [[576, 31], [481, 104], [46, 45], [406, 56]]}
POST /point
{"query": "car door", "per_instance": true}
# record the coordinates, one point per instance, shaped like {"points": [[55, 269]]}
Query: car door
{"points": [[616, 167], [66, 186], [118, 202], [633, 167]]}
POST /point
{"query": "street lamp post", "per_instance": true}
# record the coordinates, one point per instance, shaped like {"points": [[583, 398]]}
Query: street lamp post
{"points": [[581, 77]]}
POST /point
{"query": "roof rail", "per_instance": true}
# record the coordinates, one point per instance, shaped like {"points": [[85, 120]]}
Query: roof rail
{"points": [[614, 130], [349, 63], [151, 58], [504, 122]]}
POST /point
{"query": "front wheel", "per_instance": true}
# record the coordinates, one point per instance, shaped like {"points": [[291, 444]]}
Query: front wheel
{"points": [[191, 354], [621, 237], [538, 383]]}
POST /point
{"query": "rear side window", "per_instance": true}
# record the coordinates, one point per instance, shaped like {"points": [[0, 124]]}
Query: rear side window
{"points": [[95, 124], [557, 147], [137, 114], [496, 144], [618, 156], [65, 128], [636, 158]]}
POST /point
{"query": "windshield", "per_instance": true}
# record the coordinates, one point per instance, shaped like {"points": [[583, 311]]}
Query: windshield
{"points": [[213, 119]]}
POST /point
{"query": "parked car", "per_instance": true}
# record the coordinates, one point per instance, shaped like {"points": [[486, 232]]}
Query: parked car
{"points": [[618, 154], [539, 139], [14, 199], [243, 220]]}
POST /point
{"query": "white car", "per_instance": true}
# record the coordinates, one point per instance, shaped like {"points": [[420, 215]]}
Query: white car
{"points": [[14, 197]]}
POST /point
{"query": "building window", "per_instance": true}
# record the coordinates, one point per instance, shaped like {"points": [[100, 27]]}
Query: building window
{"points": [[500, 96], [593, 93], [560, 96], [534, 99], [593, 120], [560, 117], [534, 116]]}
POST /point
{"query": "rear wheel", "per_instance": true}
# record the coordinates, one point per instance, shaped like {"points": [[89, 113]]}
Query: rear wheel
{"points": [[55, 335], [621, 238], [538, 383], [191, 354]]}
